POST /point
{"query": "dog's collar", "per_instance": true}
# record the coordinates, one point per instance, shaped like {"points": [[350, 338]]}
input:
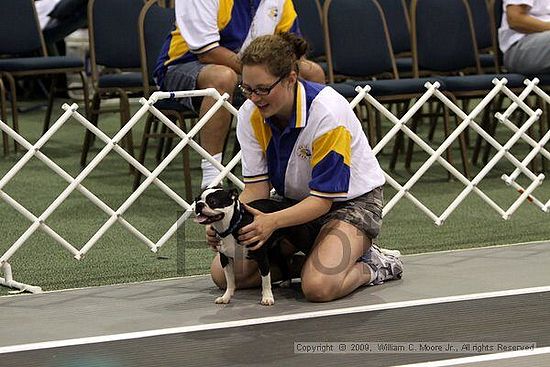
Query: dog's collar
{"points": [[235, 221]]}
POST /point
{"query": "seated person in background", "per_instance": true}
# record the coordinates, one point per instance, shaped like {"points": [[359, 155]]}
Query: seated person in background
{"points": [[43, 8], [524, 36], [58, 19], [202, 52]]}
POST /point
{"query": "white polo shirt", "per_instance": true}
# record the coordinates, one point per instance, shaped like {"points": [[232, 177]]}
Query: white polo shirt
{"points": [[540, 9], [206, 24], [322, 152]]}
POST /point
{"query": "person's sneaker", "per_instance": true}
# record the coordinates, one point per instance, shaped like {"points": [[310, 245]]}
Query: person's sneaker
{"points": [[385, 264], [386, 251]]}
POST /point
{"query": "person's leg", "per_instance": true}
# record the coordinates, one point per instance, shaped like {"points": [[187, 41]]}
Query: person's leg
{"points": [[342, 260], [214, 133], [530, 55], [312, 71], [192, 76], [343, 257], [331, 270]]}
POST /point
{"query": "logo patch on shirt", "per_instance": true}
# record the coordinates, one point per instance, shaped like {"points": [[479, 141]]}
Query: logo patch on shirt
{"points": [[304, 152], [273, 12]]}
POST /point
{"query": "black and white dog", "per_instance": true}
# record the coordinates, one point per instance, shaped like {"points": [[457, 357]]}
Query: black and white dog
{"points": [[223, 210]]}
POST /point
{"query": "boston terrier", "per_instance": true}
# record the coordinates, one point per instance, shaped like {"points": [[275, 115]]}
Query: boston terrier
{"points": [[227, 215]]}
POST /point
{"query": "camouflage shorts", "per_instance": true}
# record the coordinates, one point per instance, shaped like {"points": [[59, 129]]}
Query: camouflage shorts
{"points": [[363, 212]]}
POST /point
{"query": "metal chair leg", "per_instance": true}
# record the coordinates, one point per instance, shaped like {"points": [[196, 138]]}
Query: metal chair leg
{"points": [[3, 113], [543, 129], [14, 112], [88, 137], [161, 143], [86, 94], [48, 116], [143, 149], [186, 165], [124, 117], [492, 126]]}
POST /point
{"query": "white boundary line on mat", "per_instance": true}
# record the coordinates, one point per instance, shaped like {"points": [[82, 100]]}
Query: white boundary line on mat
{"points": [[266, 320], [481, 358], [538, 242]]}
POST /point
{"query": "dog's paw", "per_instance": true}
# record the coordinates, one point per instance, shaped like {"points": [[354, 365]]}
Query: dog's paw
{"points": [[222, 300], [267, 301]]}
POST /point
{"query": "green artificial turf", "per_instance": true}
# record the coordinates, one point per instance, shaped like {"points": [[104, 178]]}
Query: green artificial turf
{"points": [[120, 257]]}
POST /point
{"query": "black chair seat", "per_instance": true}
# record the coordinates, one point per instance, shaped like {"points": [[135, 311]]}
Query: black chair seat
{"points": [[121, 80], [170, 104], [404, 64], [480, 82], [544, 79], [401, 86], [386, 87], [345, 89], [487, 60], [40, 63]]}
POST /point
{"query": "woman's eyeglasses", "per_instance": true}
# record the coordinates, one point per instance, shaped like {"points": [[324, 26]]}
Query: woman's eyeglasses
{"points": [[260, 91]]}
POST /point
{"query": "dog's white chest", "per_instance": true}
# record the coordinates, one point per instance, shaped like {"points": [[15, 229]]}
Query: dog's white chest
{"points": [[228, 246]]}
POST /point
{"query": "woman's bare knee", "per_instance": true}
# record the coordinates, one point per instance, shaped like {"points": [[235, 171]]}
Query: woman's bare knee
{"points": [[317, 288]]}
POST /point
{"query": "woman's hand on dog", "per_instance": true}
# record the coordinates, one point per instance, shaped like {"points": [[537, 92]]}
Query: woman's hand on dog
{"points": [[212, 238], [258, 232]]}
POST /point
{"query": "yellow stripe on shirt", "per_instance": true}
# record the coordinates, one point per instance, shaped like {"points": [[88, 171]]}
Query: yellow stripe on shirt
{"points": [[179, 47], [299, 102], [262, 131], [224, 13], [288, 17], [337, 140]]}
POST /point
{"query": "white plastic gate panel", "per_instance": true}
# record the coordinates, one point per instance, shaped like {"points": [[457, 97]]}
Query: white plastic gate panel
{"points": [[39, 222]]}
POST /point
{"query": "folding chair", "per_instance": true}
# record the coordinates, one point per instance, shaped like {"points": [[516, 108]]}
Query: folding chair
{"points": [[449, 26], [310, 18], [154, 25], [397, 18], [24, 54], [359, 47], [114, 59], [484, 35], [66, 17], [3, 114]]}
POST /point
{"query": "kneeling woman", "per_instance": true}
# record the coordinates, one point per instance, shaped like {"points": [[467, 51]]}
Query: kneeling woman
{"points": [[304, 140]]}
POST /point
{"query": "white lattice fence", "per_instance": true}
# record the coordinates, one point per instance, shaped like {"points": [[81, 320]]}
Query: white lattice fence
{"points": [[151, 177], [467, 121]]}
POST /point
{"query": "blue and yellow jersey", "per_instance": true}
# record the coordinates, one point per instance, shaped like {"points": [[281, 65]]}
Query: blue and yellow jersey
{"points": [[322, 152], [205, 24]]}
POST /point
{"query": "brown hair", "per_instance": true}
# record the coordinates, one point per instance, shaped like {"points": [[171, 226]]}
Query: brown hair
{"points": [[279, 52]]}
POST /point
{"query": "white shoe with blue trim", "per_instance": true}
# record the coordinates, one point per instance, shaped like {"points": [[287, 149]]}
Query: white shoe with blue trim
{"points": [[385, 264]]}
